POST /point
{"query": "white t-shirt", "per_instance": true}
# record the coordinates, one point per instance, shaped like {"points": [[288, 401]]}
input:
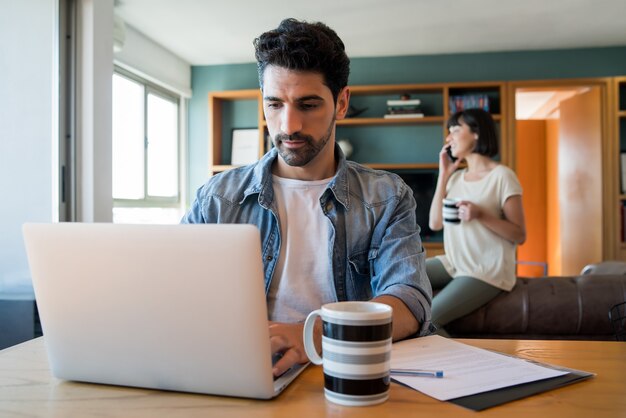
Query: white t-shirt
{"points": [[471, 249], [302, 280]]}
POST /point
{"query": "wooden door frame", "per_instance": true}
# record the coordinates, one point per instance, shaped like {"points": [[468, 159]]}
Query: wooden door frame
{"points": [[610, 148]]}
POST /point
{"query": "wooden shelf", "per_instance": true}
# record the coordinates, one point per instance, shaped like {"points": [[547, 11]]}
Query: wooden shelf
{"points": [[221, 167], [397, 88], [402, 166], [399, 121], [622, 113], [383, 121], [250, 94]]}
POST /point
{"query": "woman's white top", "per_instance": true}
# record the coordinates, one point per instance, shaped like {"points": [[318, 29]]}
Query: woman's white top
{"points": [[471, 249]]}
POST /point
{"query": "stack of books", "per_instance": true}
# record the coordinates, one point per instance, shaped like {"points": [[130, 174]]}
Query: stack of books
{"points": [[404, 108]]}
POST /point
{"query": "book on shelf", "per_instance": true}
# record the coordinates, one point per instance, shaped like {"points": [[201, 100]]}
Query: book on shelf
{"points": [[404, 102], [412, 111], [404, 109], [469, 101], [403, 115]]}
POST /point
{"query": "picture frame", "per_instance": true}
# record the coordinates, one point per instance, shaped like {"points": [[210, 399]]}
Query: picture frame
{"points": [[244, 146]]}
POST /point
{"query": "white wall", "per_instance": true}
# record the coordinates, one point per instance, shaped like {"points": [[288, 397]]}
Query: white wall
{"points": [[154, 63], [27, 121]]}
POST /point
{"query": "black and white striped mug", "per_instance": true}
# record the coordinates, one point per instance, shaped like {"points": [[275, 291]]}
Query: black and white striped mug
{"points": [[450, 211], [356, 351]]}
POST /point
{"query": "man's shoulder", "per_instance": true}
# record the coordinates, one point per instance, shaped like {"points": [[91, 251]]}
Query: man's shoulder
{"points": [[230, 184], [371, 173], [375, 184]]}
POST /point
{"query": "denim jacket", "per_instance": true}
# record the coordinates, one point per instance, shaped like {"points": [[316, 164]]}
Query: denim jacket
{"points": [[375, 243]]}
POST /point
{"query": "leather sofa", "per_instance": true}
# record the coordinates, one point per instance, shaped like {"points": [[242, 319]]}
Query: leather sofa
{"points": [[567, 308]]}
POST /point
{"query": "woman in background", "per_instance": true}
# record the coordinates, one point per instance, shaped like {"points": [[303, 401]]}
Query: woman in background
{"points": [[479, 260]]}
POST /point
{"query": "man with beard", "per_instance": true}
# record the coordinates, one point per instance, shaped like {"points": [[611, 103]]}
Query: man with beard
{"points": [[332, 230]]}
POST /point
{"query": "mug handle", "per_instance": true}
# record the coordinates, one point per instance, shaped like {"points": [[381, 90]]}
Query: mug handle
{"points": [[307, 334]]}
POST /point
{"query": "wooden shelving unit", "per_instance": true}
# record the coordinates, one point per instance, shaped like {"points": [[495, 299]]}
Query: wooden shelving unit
{"points": [[620, 133], [217, 103], [373, 98]]}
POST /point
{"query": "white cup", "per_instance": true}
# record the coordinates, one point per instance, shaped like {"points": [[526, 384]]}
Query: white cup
{"points": [[356, 349], [450, 211]]}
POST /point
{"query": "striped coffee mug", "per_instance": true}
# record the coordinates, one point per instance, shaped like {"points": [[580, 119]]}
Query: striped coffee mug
{"points": [[450, 211], [356, 350]]}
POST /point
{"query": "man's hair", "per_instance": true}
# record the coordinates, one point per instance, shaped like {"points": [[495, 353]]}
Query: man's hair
{"points": [[481, 123], [303, 46]]}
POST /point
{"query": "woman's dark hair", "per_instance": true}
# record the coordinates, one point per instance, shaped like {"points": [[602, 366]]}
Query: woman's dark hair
{"points": [[481, 123], [304, 46]]}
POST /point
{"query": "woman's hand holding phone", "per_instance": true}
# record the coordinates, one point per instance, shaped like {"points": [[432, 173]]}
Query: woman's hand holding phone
{"points": [[449, 152], [447, 162]]}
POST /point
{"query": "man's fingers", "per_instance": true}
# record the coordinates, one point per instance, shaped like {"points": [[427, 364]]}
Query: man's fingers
{"points": [[278, 344], [289, 358], [286, 339]]}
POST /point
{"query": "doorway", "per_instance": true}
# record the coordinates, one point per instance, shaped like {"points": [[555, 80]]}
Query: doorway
{"points": [[558, 129]]}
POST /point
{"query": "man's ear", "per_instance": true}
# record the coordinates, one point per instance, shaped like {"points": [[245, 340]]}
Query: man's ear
{"points": [[343, 101]]}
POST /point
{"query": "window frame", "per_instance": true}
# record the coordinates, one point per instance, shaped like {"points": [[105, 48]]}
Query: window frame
{"points": [[154, 201]]}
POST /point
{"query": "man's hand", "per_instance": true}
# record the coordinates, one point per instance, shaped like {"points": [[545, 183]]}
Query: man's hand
{"points": [[287, 339]]}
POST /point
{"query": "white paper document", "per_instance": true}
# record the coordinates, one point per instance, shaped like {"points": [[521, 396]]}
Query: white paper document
{"points": [[467, 370]]}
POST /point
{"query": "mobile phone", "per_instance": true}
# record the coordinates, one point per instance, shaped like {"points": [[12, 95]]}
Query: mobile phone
{"points": [[449, 152]]}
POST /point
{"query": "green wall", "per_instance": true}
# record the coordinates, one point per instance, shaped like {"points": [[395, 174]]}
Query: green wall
{"points": [[495, 66]]}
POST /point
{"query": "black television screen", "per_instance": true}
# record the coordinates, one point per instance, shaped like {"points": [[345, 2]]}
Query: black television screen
{"points": [[423, 185]]}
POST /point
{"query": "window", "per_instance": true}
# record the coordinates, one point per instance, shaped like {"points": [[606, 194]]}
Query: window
{"points": [[146, 181]]}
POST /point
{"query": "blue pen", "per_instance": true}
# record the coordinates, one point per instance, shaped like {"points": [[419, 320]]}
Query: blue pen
{"points": [[417, 372]]}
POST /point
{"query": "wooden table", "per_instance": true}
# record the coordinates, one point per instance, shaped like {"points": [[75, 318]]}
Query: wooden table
{"points": [[28, 390]]}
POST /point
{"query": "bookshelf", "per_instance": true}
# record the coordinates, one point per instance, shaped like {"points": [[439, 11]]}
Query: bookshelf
{"points": [[244, 109], [408, 146], [407, 143], [230, 110]]}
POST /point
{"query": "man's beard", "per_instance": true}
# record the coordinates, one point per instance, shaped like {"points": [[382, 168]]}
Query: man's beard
{"points": [[303, 155]]}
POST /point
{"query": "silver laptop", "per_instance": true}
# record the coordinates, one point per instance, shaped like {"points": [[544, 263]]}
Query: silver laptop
{"points": [[171, 307]]}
